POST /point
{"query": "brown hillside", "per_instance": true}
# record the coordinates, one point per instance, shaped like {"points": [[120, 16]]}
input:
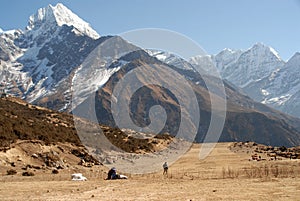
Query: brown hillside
{"points": [[19, 120], [22, 121]]}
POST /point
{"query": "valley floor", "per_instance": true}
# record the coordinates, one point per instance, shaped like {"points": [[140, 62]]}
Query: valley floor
{"points": [[223, 175]]}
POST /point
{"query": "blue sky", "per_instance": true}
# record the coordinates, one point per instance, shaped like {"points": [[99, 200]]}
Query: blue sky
{"points": [[214, 24]]}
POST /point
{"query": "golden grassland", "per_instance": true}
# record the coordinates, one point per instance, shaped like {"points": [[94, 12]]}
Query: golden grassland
{"points": [[223, 175]]}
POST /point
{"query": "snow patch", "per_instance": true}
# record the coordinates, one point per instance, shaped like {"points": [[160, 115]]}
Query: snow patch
{"points": [[264, 92], [38, 92], [273, 74], [161, 57], [275, 53], [10, 32], [278, 100]]}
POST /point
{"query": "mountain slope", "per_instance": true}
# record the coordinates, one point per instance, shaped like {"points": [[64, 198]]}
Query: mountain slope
{"points": [[262, 75], [283, 88], [246, 120], [20, 120]]}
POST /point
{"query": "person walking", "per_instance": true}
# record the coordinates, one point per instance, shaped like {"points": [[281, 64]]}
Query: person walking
{"points": [[165, 166]]}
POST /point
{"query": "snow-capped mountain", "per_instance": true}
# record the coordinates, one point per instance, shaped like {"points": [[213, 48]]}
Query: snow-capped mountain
{"points": [[36, 61], [261, 73], [245, 67]]}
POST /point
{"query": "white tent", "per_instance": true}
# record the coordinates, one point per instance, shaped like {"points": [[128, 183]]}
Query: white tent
{"points": [[78, 177]]}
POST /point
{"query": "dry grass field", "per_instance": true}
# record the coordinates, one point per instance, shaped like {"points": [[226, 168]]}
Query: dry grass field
{"points": [[226, 174]]}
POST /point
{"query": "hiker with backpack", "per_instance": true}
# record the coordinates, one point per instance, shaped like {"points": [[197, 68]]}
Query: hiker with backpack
{"points": [[112, 174]]}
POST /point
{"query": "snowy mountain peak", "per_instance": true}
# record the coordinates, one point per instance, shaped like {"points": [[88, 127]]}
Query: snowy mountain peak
{"points": [[1, 31], [59, 15], [259, 45], [262, 49]]}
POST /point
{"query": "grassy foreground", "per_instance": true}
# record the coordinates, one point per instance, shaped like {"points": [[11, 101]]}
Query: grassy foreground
{"points": [[223, 175]]}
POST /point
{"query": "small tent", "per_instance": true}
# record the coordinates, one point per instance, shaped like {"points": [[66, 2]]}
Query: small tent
{"points": [[78, 177]]}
